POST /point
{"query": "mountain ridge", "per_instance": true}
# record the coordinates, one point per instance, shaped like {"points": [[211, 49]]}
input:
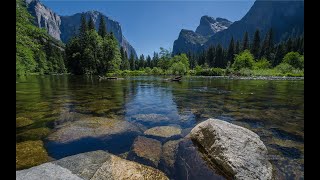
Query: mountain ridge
{"points": [[286, 18]]}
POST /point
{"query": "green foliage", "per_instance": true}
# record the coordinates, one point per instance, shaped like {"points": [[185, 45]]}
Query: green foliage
{"points": [[156, 71], [294, 59], [178, 68], [262, 64], [90, 53], [284, 68], [243, 60], [148, 70]]}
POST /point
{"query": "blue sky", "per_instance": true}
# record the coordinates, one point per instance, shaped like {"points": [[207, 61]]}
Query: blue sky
{"points": [[149, 25]]}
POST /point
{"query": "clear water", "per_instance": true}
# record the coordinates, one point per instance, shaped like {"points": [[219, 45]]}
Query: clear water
{"points": [[274, 109]]}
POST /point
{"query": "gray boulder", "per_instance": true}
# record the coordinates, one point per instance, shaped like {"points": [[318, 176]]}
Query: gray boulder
{"points": [[237, 151]]}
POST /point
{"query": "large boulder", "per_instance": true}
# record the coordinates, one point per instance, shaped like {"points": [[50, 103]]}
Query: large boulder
{"points": [[235, 150], [91, 165]]}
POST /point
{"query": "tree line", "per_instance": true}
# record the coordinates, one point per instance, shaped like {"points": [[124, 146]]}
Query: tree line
{"points": [[217, 56]]}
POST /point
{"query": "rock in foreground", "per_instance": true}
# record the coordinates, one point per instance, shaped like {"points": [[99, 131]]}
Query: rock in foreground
{"points": [[91, 165], [237, 151]]}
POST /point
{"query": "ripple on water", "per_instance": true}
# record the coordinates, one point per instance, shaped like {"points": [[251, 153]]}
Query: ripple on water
{"points": [[281, 134]]}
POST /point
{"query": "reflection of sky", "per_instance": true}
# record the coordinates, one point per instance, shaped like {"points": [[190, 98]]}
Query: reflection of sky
{"points": [[149, 98]]}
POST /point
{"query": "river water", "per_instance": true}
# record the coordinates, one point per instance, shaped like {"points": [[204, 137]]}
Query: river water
{"points": [[274, 109]]}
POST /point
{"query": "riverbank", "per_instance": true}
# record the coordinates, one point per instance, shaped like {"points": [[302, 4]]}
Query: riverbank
{"points": [[251, 73]]}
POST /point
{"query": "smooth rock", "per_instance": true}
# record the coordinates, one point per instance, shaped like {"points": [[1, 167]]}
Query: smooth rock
{"points": [[92, 127], [163, 131], [169, 151], [46, 171], [237, 151], [146, 150]]}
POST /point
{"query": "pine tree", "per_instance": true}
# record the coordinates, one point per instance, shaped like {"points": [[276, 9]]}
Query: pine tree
{"points": [[280, 52], [268, 45], [210, 56], [83, 25], [132, 61], [245, 44], [155, 59], [125, 62], [289, 46], [237, 48], [141, 62], [102, 27], [219, 60], [91, 24], [231, 51], [255, 49], [148, 61]]}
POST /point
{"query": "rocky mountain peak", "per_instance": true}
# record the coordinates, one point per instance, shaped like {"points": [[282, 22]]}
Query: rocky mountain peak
{"points": [[209, 25], [45, 18]]}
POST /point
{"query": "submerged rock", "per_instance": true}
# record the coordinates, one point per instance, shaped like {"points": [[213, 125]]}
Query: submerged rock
{"points": [[169, 151], [23, 121], [237, 151], [189, 164], [30, 153], [150, 119], [91, 127], [146, 150], [91, 165], [33, 134], [163, 132]]}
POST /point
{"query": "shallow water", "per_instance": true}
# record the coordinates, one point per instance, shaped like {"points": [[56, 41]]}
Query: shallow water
{"points": [[274, 109]]}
